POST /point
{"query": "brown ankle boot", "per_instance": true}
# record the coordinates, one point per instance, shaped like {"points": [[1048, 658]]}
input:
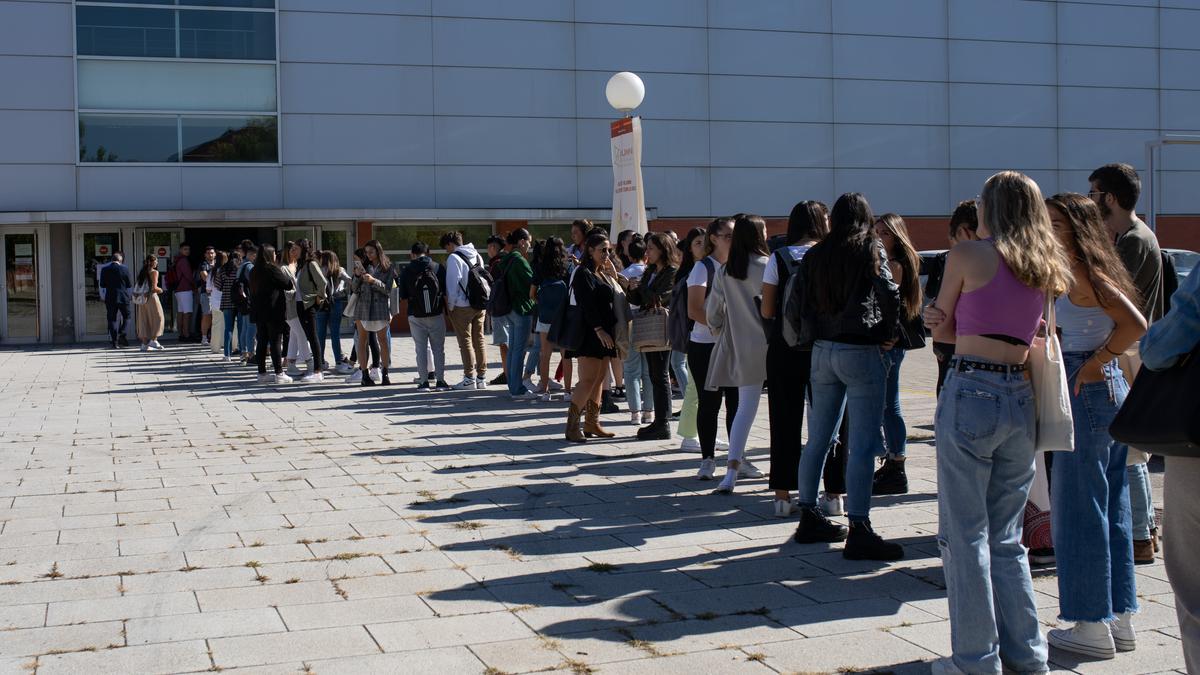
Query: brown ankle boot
{"points": [[591, 422], [574, 433]]}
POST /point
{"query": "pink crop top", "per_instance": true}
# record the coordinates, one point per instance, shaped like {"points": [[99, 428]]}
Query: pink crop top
{"points": [[1003, 309]]}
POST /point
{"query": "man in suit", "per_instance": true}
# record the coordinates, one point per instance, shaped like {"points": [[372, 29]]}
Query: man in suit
{"points": [[117, 284]]}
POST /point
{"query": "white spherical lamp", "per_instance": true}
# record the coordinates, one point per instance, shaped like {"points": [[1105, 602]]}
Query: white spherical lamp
{"points": [[625, 91]]}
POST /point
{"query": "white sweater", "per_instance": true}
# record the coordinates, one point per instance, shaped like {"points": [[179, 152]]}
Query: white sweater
{"points": [[457, 270]]}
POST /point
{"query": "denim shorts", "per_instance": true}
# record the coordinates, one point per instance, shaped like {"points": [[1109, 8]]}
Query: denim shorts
{"points": [[500, 326]]}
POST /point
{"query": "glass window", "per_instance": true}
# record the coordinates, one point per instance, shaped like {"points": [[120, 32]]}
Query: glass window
{"points": [[176, 86], [253, 4], [128, 138], [230, 139], [397, 239], [227, 35], [21, 296], [540, 231], [124, 31]]}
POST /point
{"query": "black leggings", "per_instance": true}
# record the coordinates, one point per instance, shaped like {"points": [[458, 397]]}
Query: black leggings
{"points": [[709, 401], [788, 370], [659, 363], [308, 321], [372, 346], [270, 337]]}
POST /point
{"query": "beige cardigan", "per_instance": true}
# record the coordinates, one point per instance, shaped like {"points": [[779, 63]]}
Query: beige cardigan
{"points": [[739, 357]]}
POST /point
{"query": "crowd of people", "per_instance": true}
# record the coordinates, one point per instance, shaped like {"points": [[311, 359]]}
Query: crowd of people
{"points": [[822, 322]]}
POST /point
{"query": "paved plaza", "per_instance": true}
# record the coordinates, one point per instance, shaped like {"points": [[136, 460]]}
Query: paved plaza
{"points": [[161, 513]]}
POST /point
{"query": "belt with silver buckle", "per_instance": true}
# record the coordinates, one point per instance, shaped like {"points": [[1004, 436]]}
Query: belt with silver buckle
{"points": [[963, 365]]}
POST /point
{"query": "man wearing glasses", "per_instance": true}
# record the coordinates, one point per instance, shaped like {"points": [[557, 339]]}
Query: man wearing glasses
{"points": [[1115, 188]]}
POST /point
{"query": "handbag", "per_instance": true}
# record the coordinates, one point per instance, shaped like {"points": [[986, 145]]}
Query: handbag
{"points": [[351, 304], [650, 332], [141, 293], [1055, 424], [1161, 414]]}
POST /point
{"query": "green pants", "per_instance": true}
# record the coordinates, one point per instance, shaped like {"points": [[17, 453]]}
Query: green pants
{"points": [[687, 417]]}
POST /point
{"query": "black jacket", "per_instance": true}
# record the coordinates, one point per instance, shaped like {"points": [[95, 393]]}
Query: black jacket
{"points": [[117, 284], [657, 293], [870, 315], [268, 302], [594, 298], [408, 281]]}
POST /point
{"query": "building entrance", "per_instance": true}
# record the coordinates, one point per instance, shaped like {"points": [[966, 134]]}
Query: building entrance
{"points": [[225, 238]]}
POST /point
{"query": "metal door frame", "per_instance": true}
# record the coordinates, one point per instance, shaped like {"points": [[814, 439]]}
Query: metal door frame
{"points": [[79, 284], [45, 334]]}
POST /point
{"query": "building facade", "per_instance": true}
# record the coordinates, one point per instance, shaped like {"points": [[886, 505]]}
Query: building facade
{"points": [[135, 125]]}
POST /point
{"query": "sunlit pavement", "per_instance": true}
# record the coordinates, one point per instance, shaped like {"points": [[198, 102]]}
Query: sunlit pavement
{"points": [[162, 513]]}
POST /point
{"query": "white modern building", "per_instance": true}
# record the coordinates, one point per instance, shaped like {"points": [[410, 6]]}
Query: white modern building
{"points": [[137, 124]]}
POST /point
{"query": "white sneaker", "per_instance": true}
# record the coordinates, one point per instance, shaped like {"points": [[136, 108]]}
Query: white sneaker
{"points": [[647, 417], [481, 383], [283, 378], [467, 383], [635, 417], [722, 444], [527, 395], [1089, 638], [708, 467], [344, 368], [375, 374], [690, 445], [265, 378], [226, 359], [831, 506], [748, 470], [354, 377], [156, 346], [784, 508], [727, 483], [204, 342], [313, 377], [555, 385], [1124, 637]]}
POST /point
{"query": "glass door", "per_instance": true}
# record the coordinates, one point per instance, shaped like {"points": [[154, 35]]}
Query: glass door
{"points": [[162, 243], [20, 309], [94, 247], [295, 232]]}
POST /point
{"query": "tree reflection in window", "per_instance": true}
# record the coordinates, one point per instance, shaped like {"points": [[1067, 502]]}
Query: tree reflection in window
{"points": [[226, 139]]}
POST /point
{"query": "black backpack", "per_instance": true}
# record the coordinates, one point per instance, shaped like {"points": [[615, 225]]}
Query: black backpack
{"points": [[786, 267], [500, 302], [478, 283], [241, 291], [679, 326], [425, 297]]}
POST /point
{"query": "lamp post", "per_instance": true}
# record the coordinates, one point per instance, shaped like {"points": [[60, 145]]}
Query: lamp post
{"points": [[625, 92]]}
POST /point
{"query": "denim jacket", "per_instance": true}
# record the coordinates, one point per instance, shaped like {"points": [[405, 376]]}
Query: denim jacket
{"points": [[1176, 334]]}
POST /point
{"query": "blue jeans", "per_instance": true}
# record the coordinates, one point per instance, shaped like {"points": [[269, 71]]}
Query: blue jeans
{"points": [[845, 376], [246, 334], [519, 328], [679, 367], [331, 319], [895, 432], [231, 316], [534, 353], [985, 464], [638, 387], [1093, 540], [1141, 500]]}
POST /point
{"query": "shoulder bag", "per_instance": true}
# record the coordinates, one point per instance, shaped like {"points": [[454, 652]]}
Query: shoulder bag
{"points": [[650, 332], [1055, 424], [1161, 414]]}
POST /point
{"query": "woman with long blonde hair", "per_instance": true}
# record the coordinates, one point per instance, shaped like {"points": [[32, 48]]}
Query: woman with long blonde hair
{"points": [[991, 305]]}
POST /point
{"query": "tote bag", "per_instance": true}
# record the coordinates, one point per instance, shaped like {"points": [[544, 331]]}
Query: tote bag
{"points": [[1161, 414], [650, 331], [1055, 425], [351, 305], [141, 293]]}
